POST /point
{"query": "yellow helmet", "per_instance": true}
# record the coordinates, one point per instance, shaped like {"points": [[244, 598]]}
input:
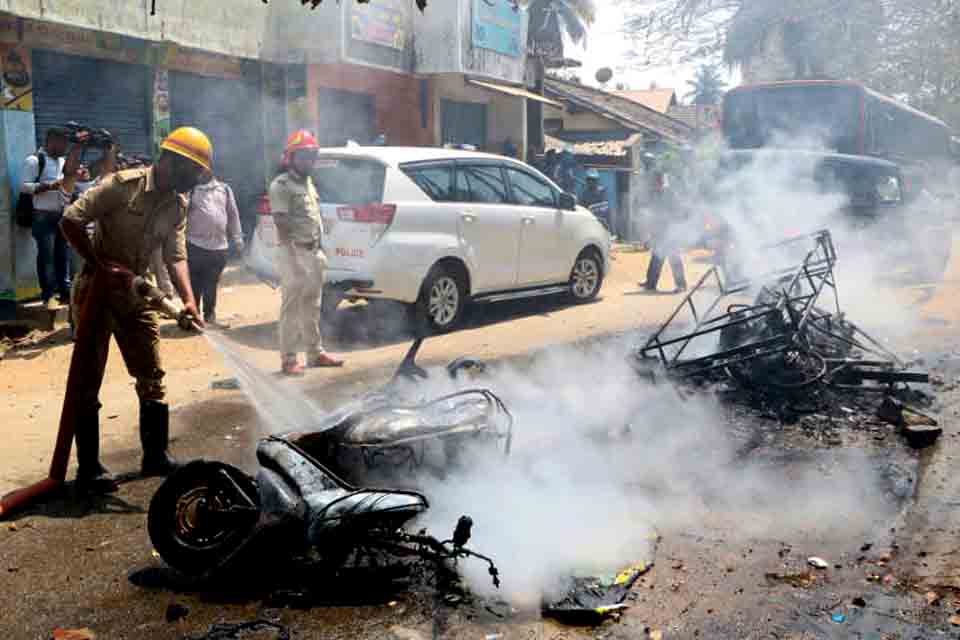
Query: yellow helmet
{"points": [[190, 143]]}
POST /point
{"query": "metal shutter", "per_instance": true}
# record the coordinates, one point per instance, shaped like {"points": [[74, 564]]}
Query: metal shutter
{"points": [[228, 111], [463, 123], [97, 93]]}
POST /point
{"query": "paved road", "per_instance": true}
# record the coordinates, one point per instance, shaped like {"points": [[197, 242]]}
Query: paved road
{"points": [[68, 563], [32, 377]]}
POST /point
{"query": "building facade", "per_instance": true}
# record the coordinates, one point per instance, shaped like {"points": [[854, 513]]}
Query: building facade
{"points": [[248, 77]]}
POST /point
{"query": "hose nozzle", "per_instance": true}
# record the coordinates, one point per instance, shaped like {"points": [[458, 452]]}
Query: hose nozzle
{"points": [[155, 298]]}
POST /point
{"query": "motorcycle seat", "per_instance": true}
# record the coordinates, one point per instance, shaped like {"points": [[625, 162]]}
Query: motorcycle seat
{"points": [[364, 508]]}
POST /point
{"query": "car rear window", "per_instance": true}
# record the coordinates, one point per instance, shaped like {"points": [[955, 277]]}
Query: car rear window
{"points": [[349, 180]]}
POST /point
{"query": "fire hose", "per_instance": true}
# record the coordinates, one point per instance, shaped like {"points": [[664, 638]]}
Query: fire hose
{"points": [[83, 348]]}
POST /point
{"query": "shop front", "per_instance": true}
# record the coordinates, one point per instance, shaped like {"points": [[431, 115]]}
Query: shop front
{"points": [[224, 101]]}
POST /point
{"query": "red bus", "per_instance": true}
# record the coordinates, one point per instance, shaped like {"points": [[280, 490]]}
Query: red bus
{"points": [[840, 116]]}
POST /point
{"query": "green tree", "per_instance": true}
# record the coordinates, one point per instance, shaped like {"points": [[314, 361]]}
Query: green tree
{"points": [[551, 19], [707, 85]]}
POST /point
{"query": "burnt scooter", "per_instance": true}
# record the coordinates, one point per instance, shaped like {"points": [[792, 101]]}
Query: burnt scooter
{"points": [[207, 514]]}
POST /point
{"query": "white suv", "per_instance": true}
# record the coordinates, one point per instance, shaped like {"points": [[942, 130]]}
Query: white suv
{"points": [[438, 228]]}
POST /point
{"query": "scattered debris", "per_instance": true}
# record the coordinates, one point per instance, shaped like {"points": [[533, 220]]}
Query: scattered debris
{"points": [[919, 429], [590, 599], [12, 526], [237, 630], [176, 612], [73, 634], [818, 563], [954, 620], [933, 598], [839, 618], [402, 633], [801, 580], [859, 602], [225, 384]]}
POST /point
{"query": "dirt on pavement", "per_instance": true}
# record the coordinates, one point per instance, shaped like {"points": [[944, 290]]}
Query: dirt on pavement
{"points": [[69, 562], [32, 375]]}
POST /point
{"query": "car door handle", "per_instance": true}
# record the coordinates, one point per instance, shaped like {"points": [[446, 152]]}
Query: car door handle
{"points": [[468, 217], [528, 220]]}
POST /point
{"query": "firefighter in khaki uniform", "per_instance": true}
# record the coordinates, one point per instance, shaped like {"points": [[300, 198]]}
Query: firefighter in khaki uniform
{"points": [[135, 211], [295, 206]]}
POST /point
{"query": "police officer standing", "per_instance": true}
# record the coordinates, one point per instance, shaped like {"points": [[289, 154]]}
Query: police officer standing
{"points": [[135, 211], [295, 206]]}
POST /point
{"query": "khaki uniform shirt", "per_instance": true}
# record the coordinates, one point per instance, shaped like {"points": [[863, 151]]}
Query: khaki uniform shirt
{"points": [[133, 218], [296, 208]]}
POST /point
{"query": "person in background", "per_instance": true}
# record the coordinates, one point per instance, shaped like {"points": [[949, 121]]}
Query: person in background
{"points": [[296, 212], [533, 158], [42, 179], [595, 198], [212, 221], [565, 173], [549, 163], [86, 179], [666, 231], [509, 149]]}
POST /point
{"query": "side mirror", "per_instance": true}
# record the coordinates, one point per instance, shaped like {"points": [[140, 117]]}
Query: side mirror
{"points": [[567, 201]]}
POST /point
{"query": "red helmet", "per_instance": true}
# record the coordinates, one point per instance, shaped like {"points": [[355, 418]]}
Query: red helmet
{"points": [[299, 141]]}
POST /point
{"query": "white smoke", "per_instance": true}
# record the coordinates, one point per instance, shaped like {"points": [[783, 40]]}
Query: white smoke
{"points": [[602, 462]]}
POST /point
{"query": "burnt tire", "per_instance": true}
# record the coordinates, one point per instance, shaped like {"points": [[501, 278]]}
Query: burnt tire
{"points": [[443, 298], [188, 523], [586, 277]]}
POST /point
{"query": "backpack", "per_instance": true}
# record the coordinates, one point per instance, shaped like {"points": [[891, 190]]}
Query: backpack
{"points": [[24, 210]]}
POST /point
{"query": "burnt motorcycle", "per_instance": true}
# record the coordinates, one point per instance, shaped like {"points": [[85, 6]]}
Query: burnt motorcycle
{"points": [[207, 514]]}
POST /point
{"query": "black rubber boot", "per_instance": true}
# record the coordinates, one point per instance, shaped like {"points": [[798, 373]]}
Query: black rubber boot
{"points": [[155, 438], [92, 477]]}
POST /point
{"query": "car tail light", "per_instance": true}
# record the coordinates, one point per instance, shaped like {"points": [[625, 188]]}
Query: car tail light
{"points": [[263, 206], [368, 213]]}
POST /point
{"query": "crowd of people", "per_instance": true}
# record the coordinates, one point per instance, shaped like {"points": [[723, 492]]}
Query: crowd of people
{"points": [[52, 179]]}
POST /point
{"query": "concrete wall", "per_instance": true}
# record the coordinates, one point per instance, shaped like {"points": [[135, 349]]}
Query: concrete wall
{"points": [[581, 121], [443, 45], [506, 115], [279, 31]]}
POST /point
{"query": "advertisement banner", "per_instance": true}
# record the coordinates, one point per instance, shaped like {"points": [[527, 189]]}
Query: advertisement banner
{"points": [[161, 107], [382, 22], [16, 78], [497, 25]]}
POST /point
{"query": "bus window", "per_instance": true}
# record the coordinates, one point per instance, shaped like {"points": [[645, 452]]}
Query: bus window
{"points": [[816, 116], [902, 133]]}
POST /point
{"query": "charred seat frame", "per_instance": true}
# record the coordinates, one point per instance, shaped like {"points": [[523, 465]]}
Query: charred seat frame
{"points": [[782, 324]]}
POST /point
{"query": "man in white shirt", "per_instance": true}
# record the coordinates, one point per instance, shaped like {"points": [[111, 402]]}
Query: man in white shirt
{"points": [[43, 181]]}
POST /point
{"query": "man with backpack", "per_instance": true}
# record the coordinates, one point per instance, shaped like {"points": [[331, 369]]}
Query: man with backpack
{"points": [[42, 179]]}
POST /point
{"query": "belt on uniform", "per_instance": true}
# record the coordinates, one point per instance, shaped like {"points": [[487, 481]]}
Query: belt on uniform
{"points": [[313, 245]]}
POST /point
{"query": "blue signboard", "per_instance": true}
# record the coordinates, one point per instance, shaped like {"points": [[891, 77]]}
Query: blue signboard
{"points": [[497, 26]]}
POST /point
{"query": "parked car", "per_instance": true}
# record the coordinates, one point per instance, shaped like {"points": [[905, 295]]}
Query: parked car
{"points": [[441, 228]]}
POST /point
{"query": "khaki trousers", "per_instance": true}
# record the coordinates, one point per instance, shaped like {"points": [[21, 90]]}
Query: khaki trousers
{"points": [[301, 286], [137, 332]]}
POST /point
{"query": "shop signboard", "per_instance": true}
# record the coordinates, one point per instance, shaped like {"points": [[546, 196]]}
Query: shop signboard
{"points": [[381, 22], [497, 26]]}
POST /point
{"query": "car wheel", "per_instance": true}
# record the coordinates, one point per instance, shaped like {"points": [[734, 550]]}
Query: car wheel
{"points": [[586, 277], [442, 300]]}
